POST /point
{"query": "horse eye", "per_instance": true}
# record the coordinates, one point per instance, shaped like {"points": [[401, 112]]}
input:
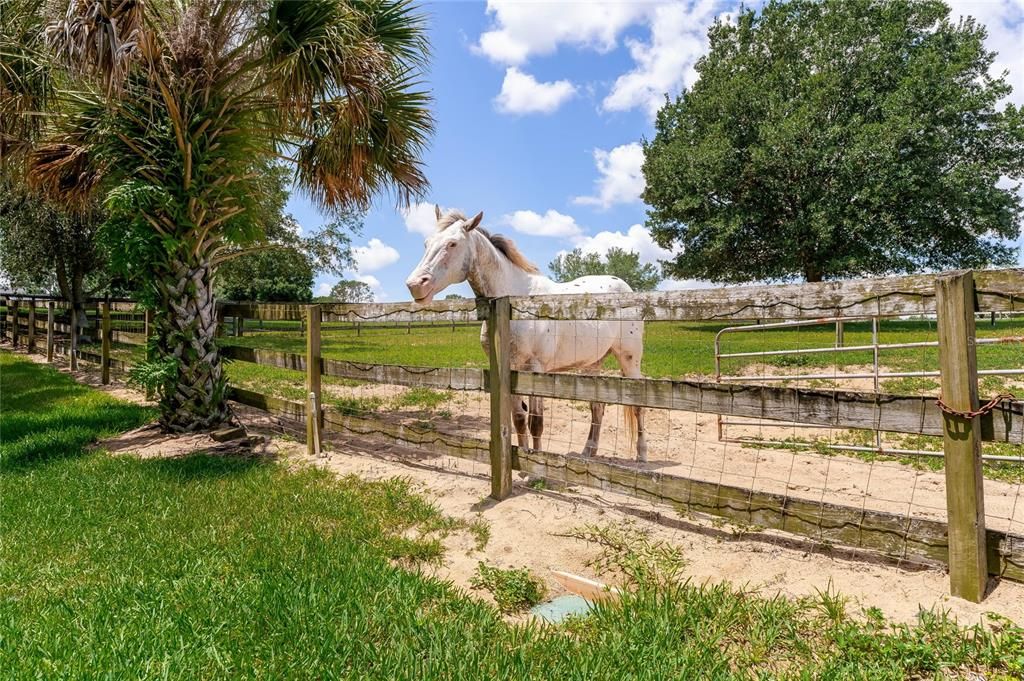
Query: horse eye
{"points": [[451, 244]]}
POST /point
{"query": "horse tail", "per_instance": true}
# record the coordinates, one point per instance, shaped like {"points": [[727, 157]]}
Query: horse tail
{"points": [[629, 414]]}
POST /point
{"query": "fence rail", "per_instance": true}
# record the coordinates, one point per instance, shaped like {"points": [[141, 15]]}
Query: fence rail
{"points": [[963, 542]]}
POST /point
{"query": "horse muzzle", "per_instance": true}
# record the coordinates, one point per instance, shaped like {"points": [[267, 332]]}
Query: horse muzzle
{"points": [[421, 288]]}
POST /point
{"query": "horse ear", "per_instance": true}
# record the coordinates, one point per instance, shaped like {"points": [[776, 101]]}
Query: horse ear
{"points": [[437, 211], [475, 222]]}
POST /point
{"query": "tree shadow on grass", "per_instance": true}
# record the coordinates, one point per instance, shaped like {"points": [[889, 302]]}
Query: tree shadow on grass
{"points": [[45, 416], [206, 466], [35, 439]]}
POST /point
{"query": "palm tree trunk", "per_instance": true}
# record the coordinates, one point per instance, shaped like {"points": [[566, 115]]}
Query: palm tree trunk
{"points": [[186, 327]]}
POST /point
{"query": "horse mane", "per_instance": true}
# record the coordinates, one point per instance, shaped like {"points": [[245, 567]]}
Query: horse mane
{"points": [[503, 244]]}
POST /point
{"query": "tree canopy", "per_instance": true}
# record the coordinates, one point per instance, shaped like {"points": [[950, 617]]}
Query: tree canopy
{"points": [[168, 114], [835, 138], [617, 262], [351, 291]]}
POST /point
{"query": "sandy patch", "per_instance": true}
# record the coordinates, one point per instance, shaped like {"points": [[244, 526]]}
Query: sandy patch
{"points": [[527, 530]]}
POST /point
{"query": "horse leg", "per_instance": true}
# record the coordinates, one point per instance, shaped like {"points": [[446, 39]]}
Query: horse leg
{"points": [[596, 415], [536, 420], [519, 420], [629, 360]]}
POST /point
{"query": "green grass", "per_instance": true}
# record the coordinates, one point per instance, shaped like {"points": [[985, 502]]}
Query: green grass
{"points": [[670, 348], [513, 589], [211, 567]]}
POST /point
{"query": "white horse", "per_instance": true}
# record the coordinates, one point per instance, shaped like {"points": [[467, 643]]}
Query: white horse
{"points": [[461, 250]]}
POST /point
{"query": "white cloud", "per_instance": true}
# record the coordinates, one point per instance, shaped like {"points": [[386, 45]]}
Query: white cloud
{"points": [[368, 279], [521, 93], [521, 30], [325, 288], [621, 181], [374, 255], [1004, 21], [420, 218], [636, 238], [666, 63], [683, 284], [552, 223]]}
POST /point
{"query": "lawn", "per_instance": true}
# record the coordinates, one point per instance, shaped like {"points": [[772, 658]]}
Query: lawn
{"points": [[212, 567], [671, 348]]}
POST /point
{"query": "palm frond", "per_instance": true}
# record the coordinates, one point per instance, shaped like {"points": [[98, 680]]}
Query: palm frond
{"points": [[357, 149], [98, 37], [26, 85], [397, 27]]}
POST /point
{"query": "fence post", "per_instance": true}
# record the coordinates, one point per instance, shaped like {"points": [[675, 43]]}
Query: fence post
{"points": [[314, 408], [15, 311], [74, 337], [498, 314], [105, 342], [965, 498], [49, 330], [30, 344]]}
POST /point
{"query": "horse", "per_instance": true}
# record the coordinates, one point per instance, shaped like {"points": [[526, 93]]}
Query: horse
{"points": [[461, 250]]}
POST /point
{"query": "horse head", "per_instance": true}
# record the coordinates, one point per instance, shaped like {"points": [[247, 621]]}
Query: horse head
{"points": [[447, 257]]}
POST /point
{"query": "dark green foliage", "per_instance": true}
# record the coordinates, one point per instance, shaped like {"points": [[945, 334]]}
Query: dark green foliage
{"points": [[47, 247], [617, 262], [351, 291], [513, 590], [277, 275], [834, 139]]}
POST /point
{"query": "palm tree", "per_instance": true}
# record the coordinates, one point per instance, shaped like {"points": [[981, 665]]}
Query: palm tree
{"points": [[168, 109]]}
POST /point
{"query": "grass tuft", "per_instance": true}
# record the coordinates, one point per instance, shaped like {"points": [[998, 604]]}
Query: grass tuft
{"points": [[513, 590]]}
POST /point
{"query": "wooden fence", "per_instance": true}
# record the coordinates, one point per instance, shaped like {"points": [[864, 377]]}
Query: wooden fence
{"points": [[963, 542]]}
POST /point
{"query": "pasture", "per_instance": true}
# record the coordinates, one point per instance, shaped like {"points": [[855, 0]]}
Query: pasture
{"points": [[671, 349], [208, 566]]}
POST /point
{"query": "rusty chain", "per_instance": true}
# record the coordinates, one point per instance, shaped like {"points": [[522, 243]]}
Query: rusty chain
{"points": [[980, 411]]}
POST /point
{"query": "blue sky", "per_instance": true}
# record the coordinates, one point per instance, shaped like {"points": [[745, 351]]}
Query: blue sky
{"points": [[540, 107]]}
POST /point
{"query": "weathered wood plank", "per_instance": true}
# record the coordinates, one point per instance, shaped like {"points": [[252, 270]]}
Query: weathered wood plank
{"points": [[965, 493], [270, 358], [264, 311], [314, 421], [890, 534], [127, 337], [439, 443], [998, 290], [444, 378], [30, 342], [49, 330], [63, 347], [500, 353], [446, 311], [105, 344], [827, 408], [273, 405]]}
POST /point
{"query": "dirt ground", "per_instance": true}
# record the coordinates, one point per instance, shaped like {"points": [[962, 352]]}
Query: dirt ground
{"points": [[527, 530]]}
